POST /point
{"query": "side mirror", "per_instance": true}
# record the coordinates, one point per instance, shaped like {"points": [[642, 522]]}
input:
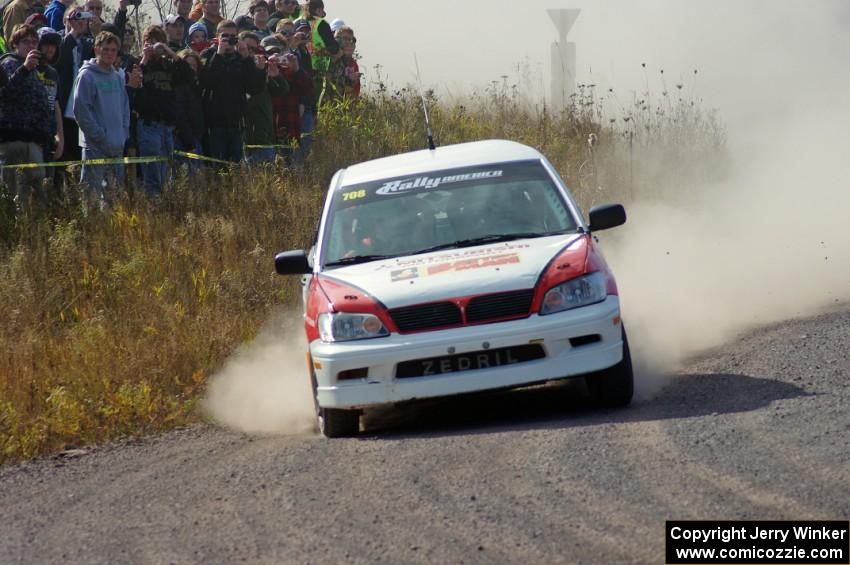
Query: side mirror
{"points": [[292, 263], [607, 216]]}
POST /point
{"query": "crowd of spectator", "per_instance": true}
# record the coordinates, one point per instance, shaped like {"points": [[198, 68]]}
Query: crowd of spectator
{"points": [[75, 87]]}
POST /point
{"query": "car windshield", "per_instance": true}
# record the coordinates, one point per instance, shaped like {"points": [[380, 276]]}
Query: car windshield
{"points": [[443, 209]]}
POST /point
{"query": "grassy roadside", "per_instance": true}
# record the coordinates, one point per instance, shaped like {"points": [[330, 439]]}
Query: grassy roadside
{"points": [[112, 323]]}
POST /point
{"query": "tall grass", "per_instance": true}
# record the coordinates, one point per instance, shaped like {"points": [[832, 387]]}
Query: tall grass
{"points": [[112, 322]]}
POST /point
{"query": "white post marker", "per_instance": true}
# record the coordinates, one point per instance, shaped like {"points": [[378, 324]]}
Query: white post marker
{"points": [[563, 78]]}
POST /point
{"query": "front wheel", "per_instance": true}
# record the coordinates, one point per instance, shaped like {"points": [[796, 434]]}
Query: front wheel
{"points": [[614, 387], [334, 422]]}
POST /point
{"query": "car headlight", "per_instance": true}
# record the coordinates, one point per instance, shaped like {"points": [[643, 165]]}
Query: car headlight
{"points": [[346, 327], [578, 292]]}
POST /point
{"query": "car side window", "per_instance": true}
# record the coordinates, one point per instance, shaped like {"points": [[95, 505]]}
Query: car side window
{"points": [[557, 209]]}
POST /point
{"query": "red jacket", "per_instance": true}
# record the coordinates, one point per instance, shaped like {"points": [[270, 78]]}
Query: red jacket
{"points": [[287, 120]]}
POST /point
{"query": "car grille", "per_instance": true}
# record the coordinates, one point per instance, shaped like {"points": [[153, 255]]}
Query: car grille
{"points": [[504, 305], [426, 316], [479, 309]]}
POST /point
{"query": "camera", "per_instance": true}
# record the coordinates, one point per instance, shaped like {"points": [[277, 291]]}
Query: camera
{"points": [[232, 40], [136, 3]]}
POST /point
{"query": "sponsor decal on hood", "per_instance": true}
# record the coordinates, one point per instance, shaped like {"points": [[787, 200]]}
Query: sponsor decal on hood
{"points": [[460, 272], [454, 266]]}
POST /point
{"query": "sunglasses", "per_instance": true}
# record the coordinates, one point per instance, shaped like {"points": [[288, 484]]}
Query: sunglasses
{"points": [[227, 35]]}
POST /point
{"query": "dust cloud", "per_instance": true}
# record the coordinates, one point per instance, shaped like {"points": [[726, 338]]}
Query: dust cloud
{"points": [[264, 387], [769, 242]]}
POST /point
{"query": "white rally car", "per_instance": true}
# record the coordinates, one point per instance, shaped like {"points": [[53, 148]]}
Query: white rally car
{"points": [[455, 270]]}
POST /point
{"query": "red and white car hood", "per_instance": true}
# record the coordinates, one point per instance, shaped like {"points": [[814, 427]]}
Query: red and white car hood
{"points": [[484, 269]]}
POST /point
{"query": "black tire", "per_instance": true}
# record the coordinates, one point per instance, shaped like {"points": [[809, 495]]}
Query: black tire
{"points": [[338, 423], [615, 386], [333, 422]]}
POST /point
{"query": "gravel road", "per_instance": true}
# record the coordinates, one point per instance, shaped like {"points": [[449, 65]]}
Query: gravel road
{"points": [[759, 428]]}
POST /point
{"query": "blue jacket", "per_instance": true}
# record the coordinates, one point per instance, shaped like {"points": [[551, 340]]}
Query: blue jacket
{"points": [[24, 107], [101, 108], [54, 14]]}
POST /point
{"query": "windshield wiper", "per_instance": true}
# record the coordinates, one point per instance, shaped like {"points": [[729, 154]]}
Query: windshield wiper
{"points": [[357, 259], [492, 238]]}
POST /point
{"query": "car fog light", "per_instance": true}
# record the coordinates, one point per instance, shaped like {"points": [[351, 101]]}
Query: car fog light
{"points": [[353, 374]]}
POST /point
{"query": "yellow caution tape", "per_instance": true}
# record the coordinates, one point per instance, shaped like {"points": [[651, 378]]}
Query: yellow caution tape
{"points": [[202, 157], [290, 146], [110, 161], [129, 160], [37, 165]]}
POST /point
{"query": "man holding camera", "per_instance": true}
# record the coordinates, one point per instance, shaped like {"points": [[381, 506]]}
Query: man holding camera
{"points": [[259, 117], [96, 21], [287, 108], [48, 45], [76, 47], [25, 119], [230, 73], [156, 105]]}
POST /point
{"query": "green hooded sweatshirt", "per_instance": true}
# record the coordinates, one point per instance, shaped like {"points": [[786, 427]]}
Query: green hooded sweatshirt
{"points": [[259, 119]]}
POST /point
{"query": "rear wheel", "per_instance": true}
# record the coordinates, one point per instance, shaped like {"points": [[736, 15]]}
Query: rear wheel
{"points": [[614, 387]]}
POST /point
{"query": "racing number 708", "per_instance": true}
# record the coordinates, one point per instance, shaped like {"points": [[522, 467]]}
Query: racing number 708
{"points": [[353, 195]]}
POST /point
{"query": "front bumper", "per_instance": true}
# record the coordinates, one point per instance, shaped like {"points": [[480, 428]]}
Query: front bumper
{"points": [[381, 355]]}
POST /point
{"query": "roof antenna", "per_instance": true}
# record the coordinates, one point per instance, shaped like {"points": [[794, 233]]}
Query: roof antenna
{"points": [[431, 145]]}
